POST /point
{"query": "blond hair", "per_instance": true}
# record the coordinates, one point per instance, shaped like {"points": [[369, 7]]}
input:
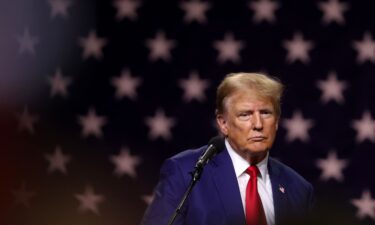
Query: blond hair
{"points": [[265, 87]]}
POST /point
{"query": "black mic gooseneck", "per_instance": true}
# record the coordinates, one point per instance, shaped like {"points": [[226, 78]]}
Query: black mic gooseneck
{"points": [[215, 145]]}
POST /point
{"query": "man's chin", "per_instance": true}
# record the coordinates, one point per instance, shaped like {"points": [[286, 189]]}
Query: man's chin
{"points": [[258, 151], [255, 155], [258, 148]]}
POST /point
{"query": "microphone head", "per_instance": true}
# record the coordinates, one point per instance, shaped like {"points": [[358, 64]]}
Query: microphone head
{"points": [[217, 142]]}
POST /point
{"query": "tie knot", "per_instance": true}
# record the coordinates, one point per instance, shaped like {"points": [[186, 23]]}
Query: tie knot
{"points": [[253, 171]]}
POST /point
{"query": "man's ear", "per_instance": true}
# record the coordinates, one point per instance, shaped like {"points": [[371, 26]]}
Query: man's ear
{"points": [[222, 123]]}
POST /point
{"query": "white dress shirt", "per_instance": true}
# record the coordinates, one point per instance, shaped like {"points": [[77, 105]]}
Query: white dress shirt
{"points": [[264, 182]]}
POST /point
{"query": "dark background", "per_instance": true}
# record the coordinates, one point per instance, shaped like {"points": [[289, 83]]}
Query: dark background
{"points": [[23, 82]]}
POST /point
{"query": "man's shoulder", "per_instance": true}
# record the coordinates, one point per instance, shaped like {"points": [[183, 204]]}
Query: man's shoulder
{"points": [[181, 163], [188, 156], [287, 172]]}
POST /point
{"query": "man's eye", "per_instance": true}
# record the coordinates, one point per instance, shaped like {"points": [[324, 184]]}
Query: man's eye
{"points": [[244, 116], [266, 113]]}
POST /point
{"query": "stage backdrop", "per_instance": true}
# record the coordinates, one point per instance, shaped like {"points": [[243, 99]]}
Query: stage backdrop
{"points": [[95, 95]]}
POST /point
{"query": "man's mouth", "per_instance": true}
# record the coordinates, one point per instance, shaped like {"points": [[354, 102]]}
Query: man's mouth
{"points": [[258, 138]]}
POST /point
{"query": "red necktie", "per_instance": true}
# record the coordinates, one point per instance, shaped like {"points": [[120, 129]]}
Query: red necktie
{"points": [[254, 208]]}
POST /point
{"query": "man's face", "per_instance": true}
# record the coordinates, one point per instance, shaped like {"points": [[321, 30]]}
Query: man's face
{"points": [[249, 123]]}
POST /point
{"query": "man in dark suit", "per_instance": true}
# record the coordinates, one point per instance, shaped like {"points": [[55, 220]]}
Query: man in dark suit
{"points": [[242, 184]]}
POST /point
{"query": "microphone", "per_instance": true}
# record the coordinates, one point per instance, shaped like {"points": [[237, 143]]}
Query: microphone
{"points": [[215, 145]]}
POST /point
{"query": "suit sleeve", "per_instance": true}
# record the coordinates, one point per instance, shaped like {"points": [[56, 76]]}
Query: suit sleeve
{"points": [[167, 195]]}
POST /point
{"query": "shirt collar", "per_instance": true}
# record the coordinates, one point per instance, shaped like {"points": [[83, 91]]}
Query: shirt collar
{"points": [[240, 164]]}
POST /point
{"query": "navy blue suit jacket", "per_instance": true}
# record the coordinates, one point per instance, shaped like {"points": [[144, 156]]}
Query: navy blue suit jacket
{"points": [[215, 199]]}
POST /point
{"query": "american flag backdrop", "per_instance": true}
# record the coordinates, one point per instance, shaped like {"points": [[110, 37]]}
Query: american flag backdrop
{"points": [[95, 95]]}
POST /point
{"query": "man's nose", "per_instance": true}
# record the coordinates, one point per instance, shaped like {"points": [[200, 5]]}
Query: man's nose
{"points": [[257, 121]]}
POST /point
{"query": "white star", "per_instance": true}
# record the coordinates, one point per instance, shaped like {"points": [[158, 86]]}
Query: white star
{"points": [[92, 45], [298, 49], [332, 89], [160, 47], [148, 198], [27, 42], [333, 11], [125, 163], [160, 125], [195, 10], [26, 120], [264, 10], [126, 85], [126, 9], [365, 205], [332, 167], [59, 7], [57, 161], [89, 200], [297, 127], [22, 196], [229, 49], [365, 127], [194, 87], [59, 84], [92, 124], [365, 49]]}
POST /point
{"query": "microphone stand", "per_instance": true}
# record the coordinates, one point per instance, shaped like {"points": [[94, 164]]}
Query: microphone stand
{"points": [[196, 175]]}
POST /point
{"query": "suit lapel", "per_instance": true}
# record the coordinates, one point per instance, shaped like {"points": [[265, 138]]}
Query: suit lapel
{"points": [[279, 190], [224, 177]]}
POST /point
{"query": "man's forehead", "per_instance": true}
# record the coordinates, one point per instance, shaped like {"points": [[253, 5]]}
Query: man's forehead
{"points": [[247, 101]]}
